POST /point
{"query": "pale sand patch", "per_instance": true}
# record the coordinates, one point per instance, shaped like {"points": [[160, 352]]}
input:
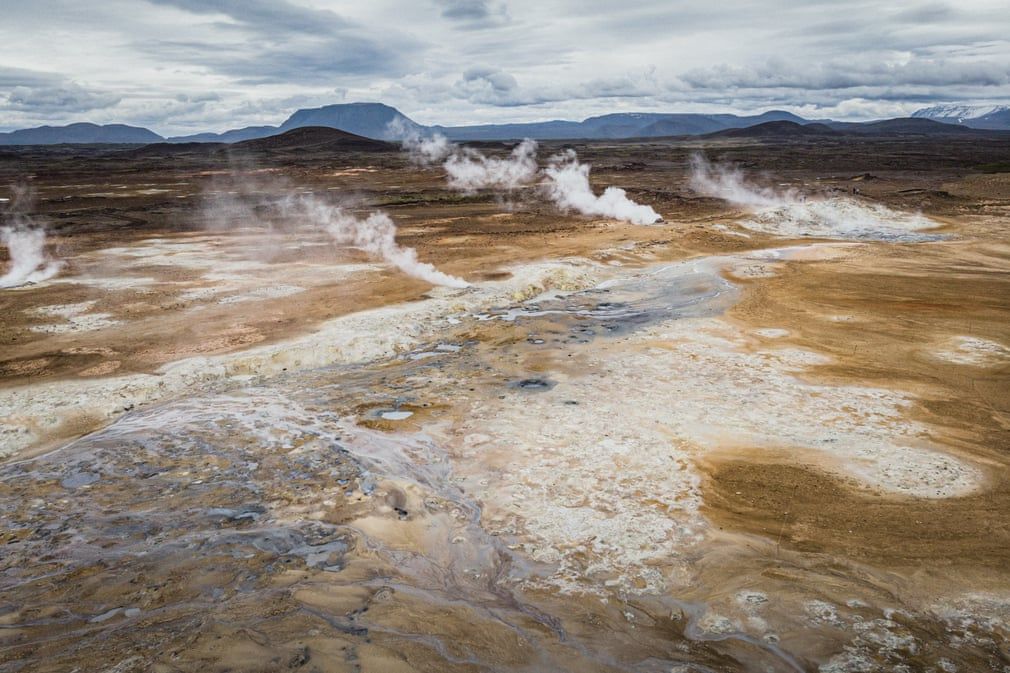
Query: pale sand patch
{"points": [[967, 350], [605, 485], [135, 283], [38, 413], [718, 395], [63, 310], [76, 317], [597, 474], [772, 332], [272, 292]]}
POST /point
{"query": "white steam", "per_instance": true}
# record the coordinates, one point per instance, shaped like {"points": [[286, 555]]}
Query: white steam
{"points": [[790, 213], [840, 217], [469, 170], [728, 183], [567, 185], [565, 181], [248, 198], [423, 149], [25, 241], [375, 234], [428, 150]]}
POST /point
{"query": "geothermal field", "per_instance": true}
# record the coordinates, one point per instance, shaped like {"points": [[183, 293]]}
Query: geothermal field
{"points": [[321, 403]]}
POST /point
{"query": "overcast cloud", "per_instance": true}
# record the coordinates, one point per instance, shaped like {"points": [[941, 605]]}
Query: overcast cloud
{"points": [[181, 66]]}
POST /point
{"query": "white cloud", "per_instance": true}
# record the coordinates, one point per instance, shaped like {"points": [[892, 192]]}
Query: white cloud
{"points": [[188, 65], [474, 13], [69, 98]]}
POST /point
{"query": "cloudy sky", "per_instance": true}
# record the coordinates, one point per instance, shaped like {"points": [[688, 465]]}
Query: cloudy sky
{"points": [[180, 66]]}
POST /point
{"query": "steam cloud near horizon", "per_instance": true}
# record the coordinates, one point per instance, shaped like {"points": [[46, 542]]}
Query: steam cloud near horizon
{"points": [[469, 170], [791, 213], [241, 198], [565, 181], [728, 183], [568, 186], [246, 197], [25, 240]]}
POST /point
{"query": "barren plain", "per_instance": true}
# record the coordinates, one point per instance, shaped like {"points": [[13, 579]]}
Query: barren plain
{"points": [[768, 433]]}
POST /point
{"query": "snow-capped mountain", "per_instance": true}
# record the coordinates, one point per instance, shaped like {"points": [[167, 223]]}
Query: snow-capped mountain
{"points": [[996, 117]]}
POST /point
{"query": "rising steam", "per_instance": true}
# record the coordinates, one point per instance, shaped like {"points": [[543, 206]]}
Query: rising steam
{"points": [[728, 183], [247, 197], [375, 234], [790, 213], [25, 241], [565, 181], [469, 170], [567, 185], [428, 150]]}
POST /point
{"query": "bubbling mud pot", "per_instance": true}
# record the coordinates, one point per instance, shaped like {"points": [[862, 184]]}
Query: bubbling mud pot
{"points": [[527, 492]]}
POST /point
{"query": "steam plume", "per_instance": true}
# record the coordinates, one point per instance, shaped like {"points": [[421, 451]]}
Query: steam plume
{"points": [[26, 244], [790, 213], [728, 183], [565, 180], [375, 234], [469, 170], [568, 186], [428, 150], [242, 197]]}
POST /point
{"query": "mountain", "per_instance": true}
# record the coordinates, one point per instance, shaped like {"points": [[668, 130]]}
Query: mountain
{"points": [[536, 130], [81, 133], [314, 138], [681, 125], [232, 136], [372, 120], [637, 124], [614, 126], [776, 129], [381, 122], [903, 126], [990, 117]]}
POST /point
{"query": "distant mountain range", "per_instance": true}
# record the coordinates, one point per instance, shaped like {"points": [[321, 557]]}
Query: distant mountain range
{"points": [[382, 122], [615, 126], [375, 120], [371, 120], [316, 139]]}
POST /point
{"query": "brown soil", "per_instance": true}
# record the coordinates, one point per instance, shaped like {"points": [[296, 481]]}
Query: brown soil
{"points": [[880, 311]]}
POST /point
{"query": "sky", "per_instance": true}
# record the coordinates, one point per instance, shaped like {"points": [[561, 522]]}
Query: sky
{"points": [[184, 66]]}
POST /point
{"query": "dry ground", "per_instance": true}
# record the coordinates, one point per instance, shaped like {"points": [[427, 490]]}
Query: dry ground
{"points": [[884, 314]]}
